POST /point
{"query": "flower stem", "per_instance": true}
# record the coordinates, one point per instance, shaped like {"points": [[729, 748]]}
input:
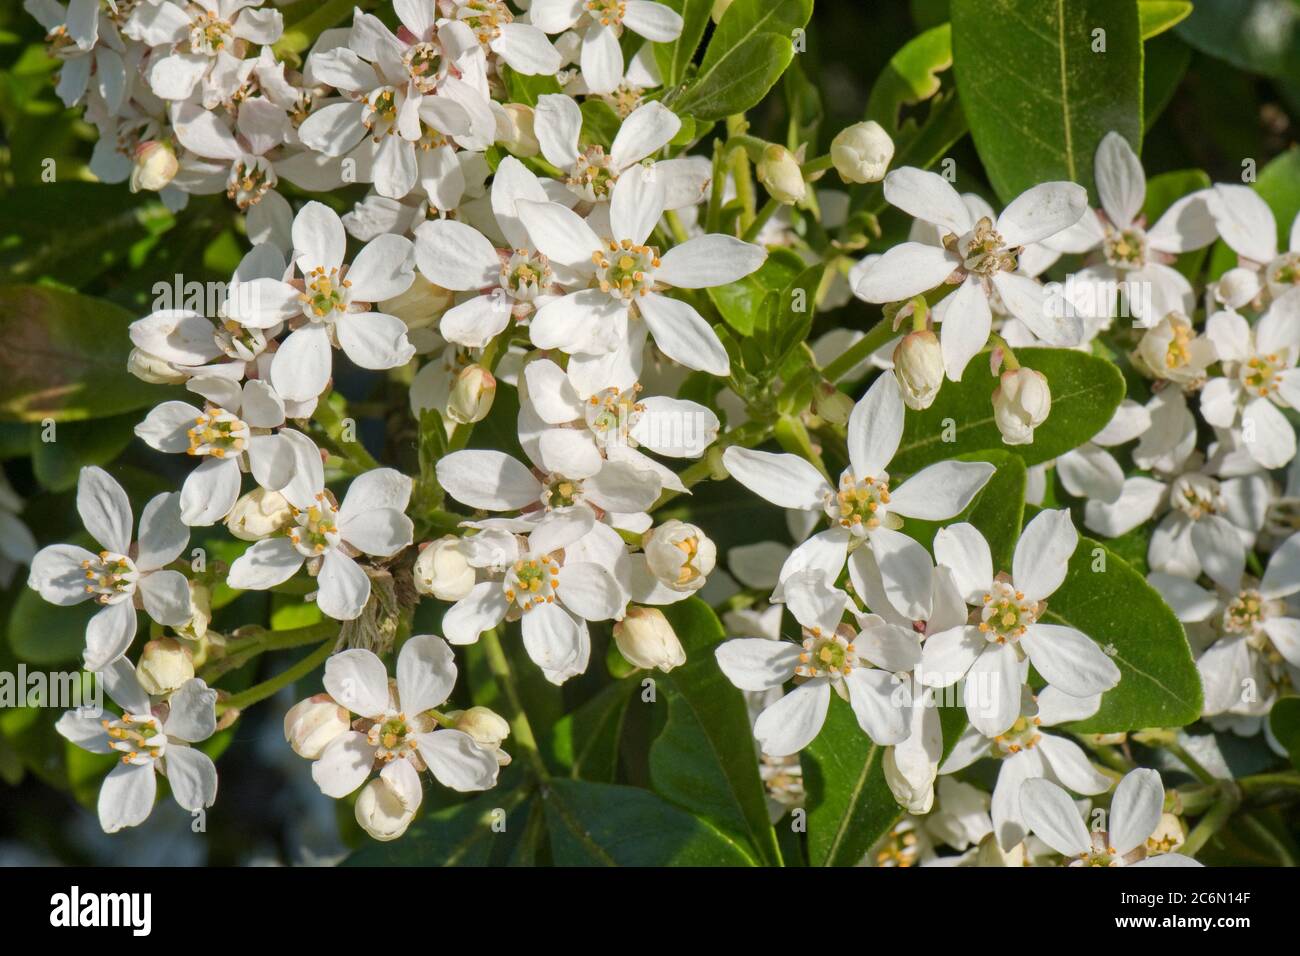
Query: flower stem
{"points": [[769, 209], [878, 335], [1220, 813], [269, 688], [520, 729]]}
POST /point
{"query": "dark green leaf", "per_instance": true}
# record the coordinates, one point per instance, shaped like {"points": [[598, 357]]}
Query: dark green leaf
{"points": [[674, 58], [1261, 36], [1284, 721], [1038, 93]]}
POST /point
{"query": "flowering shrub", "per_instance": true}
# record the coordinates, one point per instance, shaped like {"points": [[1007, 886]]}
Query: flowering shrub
{"points": [[600, 450]]}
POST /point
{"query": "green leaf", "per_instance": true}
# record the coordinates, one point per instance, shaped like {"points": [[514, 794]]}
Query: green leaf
{"points": [[42, 633], [58, 463], [849, 803], [1114, 605], [600, 824], [740, 301], [526, 89], [747, 54], [1039, 98], [1165, 62], [1157, 16], [1261, 36], [675, 57], [1284, 721], [584, 744], [911, 76], [705, 759], [462, 835], [65, 357], [1086, 390]]}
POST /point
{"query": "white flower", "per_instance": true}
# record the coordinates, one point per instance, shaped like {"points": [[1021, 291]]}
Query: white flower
{"points": [[647, 640], [443, 571], [149, 737], [1090, 471], [1260, 377], [83, 37], [370, 520], [119, 576], [1247, 225], [554, 582], [1250, 633], [982, 255], [1173, 351], [522, 46], [500, 284], [206, 44], [233, 161], [401, 94], [312, 724], [859, 666], [1021, 403], [991, 655], [330, 304], [1026, 752], [620, 272], [1135, 813], [1209, 526], [1134, 257], [396, 734], [590, 174], [864, 508], [236, 431], [600, 23]]}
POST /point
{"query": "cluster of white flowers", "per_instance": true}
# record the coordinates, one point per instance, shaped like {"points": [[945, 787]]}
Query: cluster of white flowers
{"points": [[498, 244]]}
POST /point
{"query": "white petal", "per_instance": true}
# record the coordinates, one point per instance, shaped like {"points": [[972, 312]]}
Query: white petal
{"points": [[318, 237], [104, 509], [636, 204], [683, 335], [491, 480], [962, 548], [456, 761], [426, 673], [344, 587], [1069, 659], [1121, 183], [757, 664], [559, 234], [302, 365], [266, 564], [357, 680], [1051, 814], [941, 490], [881, 704], [929, 197], [946, 657], [783, 479], [790, 724], [166, 597], [903, 271], [965, 322], [709, 260], [127, 795], [1043, 554], [1135, 809], [992, 690], [344, 764], [193, 777], [1042, 211], [456, 256]]}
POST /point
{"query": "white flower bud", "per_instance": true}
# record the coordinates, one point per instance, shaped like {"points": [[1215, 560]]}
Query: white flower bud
{"points": [[516, 132], [1020, 404], [781, 176], [152, 369], [312, 724], [918, 366], [912, 784], [382, 811], [679, 555], [442, 570], [258, 514], [155, 166], [420, 305], [647, 640], [472, 394], [200, 613], [861, 152], [165, 664], [488, 728]]}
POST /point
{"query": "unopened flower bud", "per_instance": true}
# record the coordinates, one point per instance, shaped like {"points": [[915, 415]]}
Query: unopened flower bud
{"points": [[472, 394], [258, 514], [515, 131], [679, 555], [918, 366], [200, 613], [488, 728], [645, 638], [383, 811], [781, 176], [312, 724], [912, 782], [150, 368], [420, 305], [861, 152], [831, 405], [155, 166], [442, 570], [165, 664], [1020, 404]]}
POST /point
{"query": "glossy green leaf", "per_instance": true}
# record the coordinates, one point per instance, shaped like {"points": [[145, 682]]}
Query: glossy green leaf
{"points": [[1284, 721], [1261, 36], [1086, 390], [741, 301], [584, 744], [1157, 16], [849, 803], [1038, 91], [748, 52], [600, 824], [65, 357], [911, 76], [58, 463], [1110, 602], [675, 57], [705, 759]]}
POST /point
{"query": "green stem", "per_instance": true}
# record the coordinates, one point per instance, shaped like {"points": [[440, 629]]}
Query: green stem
{"points": [[246, 649], [268, 688], [1220, 813], [814, 166], [769, 209], [878, 335], [520, 729], [747, 436], [328, 417]]}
